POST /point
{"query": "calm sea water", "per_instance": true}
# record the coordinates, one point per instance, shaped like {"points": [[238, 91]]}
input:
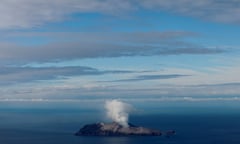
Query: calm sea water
{"points": [[56, 123]]}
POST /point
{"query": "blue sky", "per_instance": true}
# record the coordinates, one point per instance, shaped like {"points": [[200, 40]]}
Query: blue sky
{"points": [[81, 49]]}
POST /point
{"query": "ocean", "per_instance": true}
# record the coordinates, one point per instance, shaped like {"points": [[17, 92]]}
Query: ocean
{"points": [[56, 122]]}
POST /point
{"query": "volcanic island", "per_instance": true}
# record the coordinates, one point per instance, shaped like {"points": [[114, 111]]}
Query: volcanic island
{"points": [[115, 129], [117, 111]]}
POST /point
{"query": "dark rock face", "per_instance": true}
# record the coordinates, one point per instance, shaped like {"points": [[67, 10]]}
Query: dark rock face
{"points": [[114, 129]]}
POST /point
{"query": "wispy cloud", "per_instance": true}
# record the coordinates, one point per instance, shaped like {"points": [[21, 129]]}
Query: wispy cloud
{"points": [[28, 13], [102, 90], [226, 11], [149, 77], [236, 84], [97, 45], [160, 99], [14, 75]]}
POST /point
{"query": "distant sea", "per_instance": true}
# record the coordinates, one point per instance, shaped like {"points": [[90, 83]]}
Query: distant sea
{"points": [[56, 122]]}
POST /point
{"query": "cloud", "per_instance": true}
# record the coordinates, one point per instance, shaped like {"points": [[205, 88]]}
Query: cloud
{"points": [[66, 46], [29, 13], [15, 75], [102, 90], [149, 77], [234, 84], [101, 100], [32, 13], [226, 11]]}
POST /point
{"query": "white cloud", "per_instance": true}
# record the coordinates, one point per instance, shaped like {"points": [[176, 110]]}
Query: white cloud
{"points": [[32, 13], [100, 100], [95, 45], [226, 11], [17, 75]]}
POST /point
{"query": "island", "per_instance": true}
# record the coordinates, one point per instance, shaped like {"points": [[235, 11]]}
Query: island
{"points": [[115, 129]]}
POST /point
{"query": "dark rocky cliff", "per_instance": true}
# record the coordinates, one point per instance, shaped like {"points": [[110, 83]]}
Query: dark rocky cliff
{"points": [[115, 129]]}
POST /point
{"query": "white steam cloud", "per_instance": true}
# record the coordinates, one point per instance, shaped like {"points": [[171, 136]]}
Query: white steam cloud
{"points": [[118, 111]]}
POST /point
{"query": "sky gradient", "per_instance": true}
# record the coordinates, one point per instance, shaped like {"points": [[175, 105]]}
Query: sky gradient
{"points": [[146, 50]]}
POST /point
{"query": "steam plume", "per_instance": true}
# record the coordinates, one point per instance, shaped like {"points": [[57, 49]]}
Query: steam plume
{"points": [[118, 111]]}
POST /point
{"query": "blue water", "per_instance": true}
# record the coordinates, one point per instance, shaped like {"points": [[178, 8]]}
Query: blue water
{"points": [[56, 123]]}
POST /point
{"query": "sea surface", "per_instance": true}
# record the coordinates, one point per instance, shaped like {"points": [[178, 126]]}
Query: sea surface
{"points": [[56, 122]]}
